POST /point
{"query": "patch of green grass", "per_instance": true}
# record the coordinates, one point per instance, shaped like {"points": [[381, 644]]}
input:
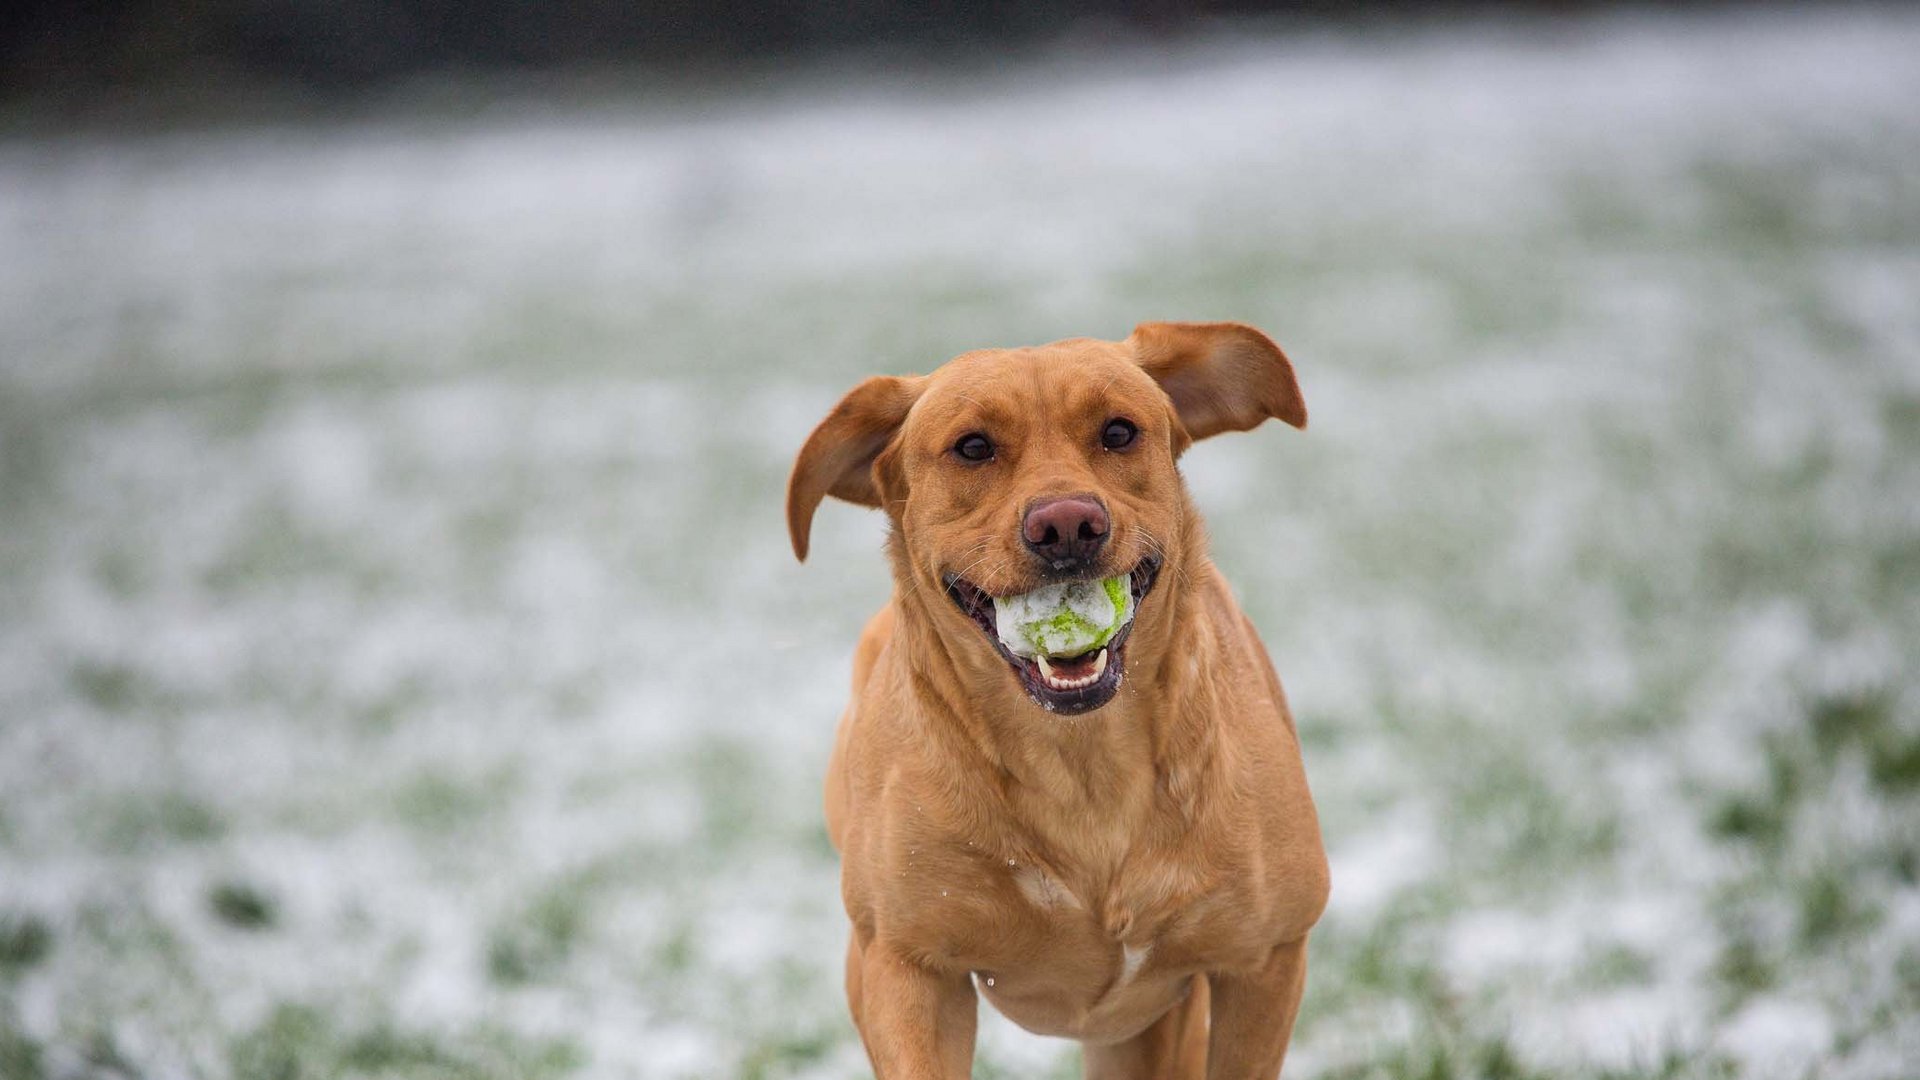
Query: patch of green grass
{"points": [[1900, 416], [1831, 907], [486, 533], [274, 548], [1763, 816], [1902, 860], [1743, 970], [1893, 761], [1065, 1066], [1619, 965], [436, 802], [244, 906], [1907, 970], [819, 842], [122, 570], [25, 940], [1741, 566], [728, 778], [29, 452], [185, 818], [678, 950], [100, 1051], [1747, 816], [301, 1042], [1496, 1060], [384, 714], [21, 1055], [385, 1048], [143, 821], [534, 944], [1506, 810], [278, 546], [785, 1055], [1866, 720], [1675, 1064], [1799, 764], [1598, 213], [1436, 1058], [1837, 721], [1758, 208], [107, 685], [125, 926], [288, 1045], [1389, 959], [1895, 566]]}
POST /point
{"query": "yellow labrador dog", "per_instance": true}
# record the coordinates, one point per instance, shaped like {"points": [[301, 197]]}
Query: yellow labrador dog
{"points": [[1115, 846]]}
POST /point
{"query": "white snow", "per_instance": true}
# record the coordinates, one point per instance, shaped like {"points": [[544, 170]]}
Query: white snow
{"points": [[390, 520]]}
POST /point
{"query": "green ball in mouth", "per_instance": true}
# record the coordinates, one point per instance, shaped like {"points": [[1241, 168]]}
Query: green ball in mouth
{"points": [[1068, 619]]}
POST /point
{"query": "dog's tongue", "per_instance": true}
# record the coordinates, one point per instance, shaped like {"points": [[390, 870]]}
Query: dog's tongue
{"points": [[1069, 619]]}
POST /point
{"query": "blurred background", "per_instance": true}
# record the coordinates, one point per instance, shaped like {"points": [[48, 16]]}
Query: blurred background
{"points": [[403, 672]]}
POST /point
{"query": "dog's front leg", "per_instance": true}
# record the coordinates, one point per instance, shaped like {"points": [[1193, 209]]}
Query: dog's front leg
{"points": [[1253, 1015], [917, 1023]]}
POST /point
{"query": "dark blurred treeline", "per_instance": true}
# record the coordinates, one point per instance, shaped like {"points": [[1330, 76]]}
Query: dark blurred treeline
{"points": [[81, 46]]}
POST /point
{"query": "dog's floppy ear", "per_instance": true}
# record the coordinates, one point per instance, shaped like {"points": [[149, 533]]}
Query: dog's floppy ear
{"points": [[1221, 376], [838, 457]]}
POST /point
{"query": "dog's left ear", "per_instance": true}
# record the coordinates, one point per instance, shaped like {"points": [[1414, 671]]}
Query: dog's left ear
{"points": [[1221, 376], [838, 457]]}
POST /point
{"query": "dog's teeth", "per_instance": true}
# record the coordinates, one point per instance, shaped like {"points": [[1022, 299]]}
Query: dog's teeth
{"points": [[1056, 681]]}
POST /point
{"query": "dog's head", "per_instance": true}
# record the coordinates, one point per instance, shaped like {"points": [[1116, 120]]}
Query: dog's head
{"points": [[1007, 470]]}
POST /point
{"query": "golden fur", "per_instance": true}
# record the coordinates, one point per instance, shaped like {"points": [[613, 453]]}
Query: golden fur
{"points": [[1141, 877]]}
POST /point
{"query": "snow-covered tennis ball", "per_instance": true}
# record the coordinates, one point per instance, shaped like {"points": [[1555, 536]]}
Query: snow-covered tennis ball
{"points": [[1063, 620]]}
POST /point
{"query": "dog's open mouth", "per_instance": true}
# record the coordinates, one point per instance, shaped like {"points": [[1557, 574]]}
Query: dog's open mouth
{"points": [[1067, 647]]}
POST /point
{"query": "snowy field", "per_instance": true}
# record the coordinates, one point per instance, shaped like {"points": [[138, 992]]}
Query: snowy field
{"points": [[403, 672]]}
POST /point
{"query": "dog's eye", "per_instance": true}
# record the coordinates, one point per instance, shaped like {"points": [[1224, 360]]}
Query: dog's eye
{"points": [[1119, 434], [974, 447]]}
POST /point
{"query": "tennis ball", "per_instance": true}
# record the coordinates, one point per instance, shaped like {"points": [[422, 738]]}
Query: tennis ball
{"points": [[1063, 620]]}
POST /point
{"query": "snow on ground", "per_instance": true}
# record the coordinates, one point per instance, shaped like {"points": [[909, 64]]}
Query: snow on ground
{"points": [[402, 671]]}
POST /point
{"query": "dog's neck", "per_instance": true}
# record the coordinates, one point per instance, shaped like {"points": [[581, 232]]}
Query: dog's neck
{"points": [[1151, 742]]}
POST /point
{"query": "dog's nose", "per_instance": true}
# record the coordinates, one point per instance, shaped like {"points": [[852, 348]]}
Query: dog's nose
{"points": [[1066, 530]]}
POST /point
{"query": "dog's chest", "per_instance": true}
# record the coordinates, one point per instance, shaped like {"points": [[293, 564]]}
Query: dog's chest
{"points": [[1099, 904], [1161, 906], [1072, 956]]}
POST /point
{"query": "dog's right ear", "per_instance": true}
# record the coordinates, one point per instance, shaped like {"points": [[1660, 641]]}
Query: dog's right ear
{"points": [[838, 457]]}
